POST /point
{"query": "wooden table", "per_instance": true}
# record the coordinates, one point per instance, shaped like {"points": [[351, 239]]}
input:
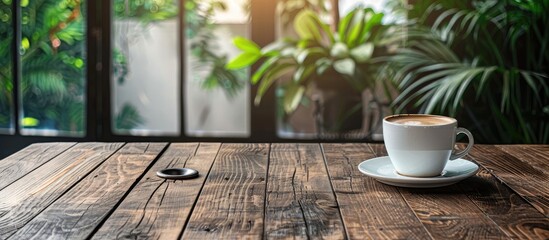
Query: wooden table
{"points": [[254, 191]]}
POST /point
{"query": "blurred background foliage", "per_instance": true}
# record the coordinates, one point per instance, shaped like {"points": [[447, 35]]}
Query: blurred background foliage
{"points": [[484, 62], [6, 57], [288, 9], [143, 12], [52, 64], [200, 31], [53, 59]]}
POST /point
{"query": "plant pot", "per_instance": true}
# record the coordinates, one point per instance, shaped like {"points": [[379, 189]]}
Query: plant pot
{"points": [[329, 111], [299, 124], [338, 106]]}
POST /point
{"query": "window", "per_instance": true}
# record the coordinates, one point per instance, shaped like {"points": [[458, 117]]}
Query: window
{"points": [[153, 55], [156, 69], [146, 67], [6, 67], [49, 79], [216, 99]]}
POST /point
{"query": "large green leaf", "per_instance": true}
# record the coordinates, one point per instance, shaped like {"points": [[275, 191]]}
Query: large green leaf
{"points": [[345, 66], [372, 20], [363, 52], [269, 63], [270, 77], [303, 72], [310, 55], [245, 59], [306, 25], [246, 45], [345, 24], [355, 29], [339, 50], [322, 65], [292, 96]]}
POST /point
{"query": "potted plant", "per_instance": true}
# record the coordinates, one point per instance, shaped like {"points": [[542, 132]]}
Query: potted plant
{"points": [[484, 63], [331, 68]]}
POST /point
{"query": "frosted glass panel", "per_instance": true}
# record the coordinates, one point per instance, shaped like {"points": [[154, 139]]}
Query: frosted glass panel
{"points": [[217, 101], [146, 67]]}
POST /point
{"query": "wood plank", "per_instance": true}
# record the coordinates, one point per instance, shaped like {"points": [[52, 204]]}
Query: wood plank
{"points": [[535, 155], [370, 210], [530, 182], [91, 200], [300, 200], [27, 197], [157, 208], [447, 212], [26, 160], [232, 201], [517, 218]]}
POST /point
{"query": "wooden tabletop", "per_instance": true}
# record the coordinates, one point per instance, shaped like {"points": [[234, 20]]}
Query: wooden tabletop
{"points": [[254, 191]]}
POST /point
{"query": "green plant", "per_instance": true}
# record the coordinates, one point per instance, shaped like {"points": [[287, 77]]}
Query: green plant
{"points": [[200, 32], [53, 58], [486, 63], [145, 11], [6, 57], [52, 64], [289, 9], [127, 118], [346, 56]]}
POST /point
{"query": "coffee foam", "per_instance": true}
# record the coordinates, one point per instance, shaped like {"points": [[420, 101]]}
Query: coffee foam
{"points": [[420, 120], [412, 122]]}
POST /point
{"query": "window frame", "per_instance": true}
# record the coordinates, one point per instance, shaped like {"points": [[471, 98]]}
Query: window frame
{"points": [[99, 76]]}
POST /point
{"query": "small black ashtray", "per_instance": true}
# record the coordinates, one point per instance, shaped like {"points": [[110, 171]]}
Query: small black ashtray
{"points": [[177, 173]]}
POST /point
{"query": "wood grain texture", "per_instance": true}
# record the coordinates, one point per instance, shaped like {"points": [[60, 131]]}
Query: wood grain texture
{"points": [[232, 200], [27, 197], [447, 212], [517, 218], [300, 200], [91, 200], [370, 210], [530, 182], [535, 155], [26, 160], [254, 191], [158, 208]]}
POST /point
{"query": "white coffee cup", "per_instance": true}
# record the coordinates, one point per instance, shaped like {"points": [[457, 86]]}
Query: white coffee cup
{"points": [[420, 145]]}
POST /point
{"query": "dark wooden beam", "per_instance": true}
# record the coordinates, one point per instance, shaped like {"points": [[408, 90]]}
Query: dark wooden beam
{"points": [[263, 118]]}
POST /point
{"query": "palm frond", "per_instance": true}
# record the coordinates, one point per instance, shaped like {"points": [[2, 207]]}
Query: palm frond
{"points": [[495, 76], [128, 118]]}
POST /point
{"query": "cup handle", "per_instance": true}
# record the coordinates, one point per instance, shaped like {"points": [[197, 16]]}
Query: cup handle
{"points": [[455, 156]]}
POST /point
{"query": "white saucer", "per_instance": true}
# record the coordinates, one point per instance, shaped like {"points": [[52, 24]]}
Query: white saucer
{"points": [[383, 171]]}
